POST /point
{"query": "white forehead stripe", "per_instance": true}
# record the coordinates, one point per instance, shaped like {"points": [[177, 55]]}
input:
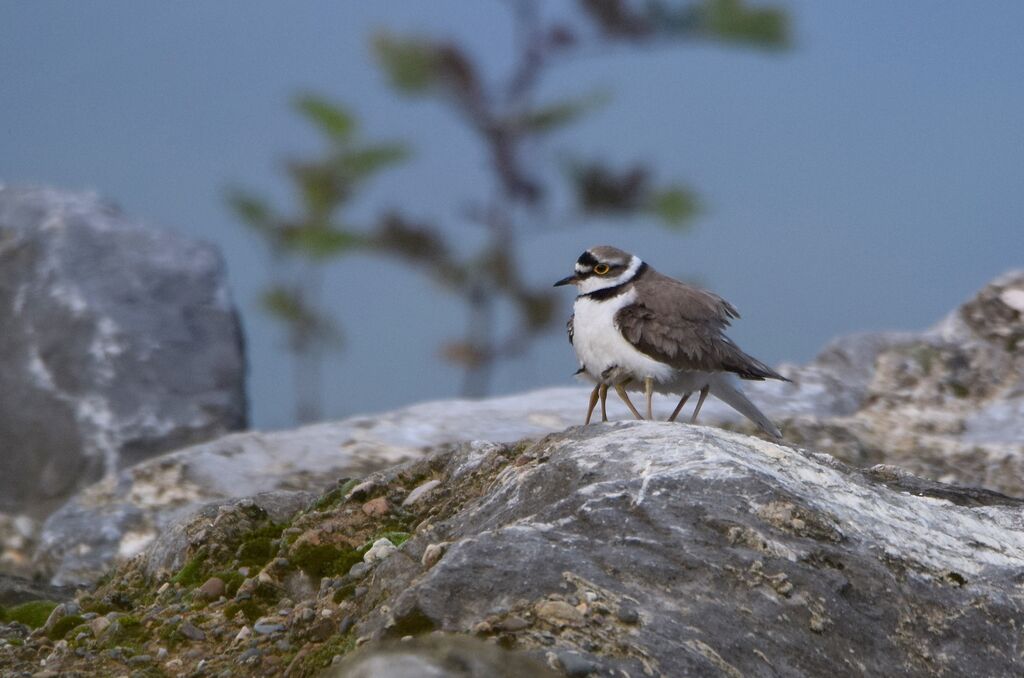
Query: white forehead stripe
{"points": [[580, 268]]}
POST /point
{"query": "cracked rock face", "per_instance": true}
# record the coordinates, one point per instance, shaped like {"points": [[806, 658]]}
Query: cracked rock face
{"points": [[622, 549], [119, 342], [663, 550]]}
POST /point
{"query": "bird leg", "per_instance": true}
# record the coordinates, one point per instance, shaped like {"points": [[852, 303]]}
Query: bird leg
{"points": [[621, 390], [679, 407], [648, 392], [604, 401], [593, 403], [700, 402]]}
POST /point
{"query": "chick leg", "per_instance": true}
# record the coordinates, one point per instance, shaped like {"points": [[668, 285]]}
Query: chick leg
{"points": [[593, 403], [679, 407], [700, 403], [604, 401], [621, 390], [648, 393]]}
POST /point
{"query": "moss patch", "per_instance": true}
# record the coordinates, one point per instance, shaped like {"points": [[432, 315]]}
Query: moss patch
{"points": [[192, 573], [63, 625], [32, 614], [250, 609], [323, 560]]}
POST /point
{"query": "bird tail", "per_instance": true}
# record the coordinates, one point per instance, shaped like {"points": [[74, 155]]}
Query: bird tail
{"points": [[734, 398]]}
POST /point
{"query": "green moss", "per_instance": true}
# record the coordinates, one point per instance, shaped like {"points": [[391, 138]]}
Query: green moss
{"points": [[126, 630], [249, 608], [344, 593], [256, 551], [192, 573], [32, 614], [63, 625], [321, 658], [324, 560]]}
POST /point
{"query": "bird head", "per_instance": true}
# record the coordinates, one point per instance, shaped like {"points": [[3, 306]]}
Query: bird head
{"points": [[602, 267]]}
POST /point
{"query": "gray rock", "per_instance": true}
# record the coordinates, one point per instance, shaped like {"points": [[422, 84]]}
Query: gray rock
{"points": [[119, 342], [439, 656], [191, 631], [737, 556]]}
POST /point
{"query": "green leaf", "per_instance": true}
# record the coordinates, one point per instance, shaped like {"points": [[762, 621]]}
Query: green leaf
{"points": [[674, 206], [250, 209], [733, 20], [549, 117], [411, 64], [362, 163], [333, 120], [321, 242]]}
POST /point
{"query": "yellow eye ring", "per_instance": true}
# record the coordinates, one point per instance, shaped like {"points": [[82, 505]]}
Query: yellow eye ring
{"points": [[601, 269]]}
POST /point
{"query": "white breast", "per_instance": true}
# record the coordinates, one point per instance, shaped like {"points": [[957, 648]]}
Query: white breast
{"points": [[600, 346]]}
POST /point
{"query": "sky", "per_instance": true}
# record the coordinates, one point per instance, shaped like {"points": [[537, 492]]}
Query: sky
{"points": [[869, 178]]}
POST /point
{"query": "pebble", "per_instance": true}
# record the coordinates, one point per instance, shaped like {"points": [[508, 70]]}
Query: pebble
{"points": [[377, 507], [163, 587], [212, 589], [192, 632], [250, 656], [359, 569], [243, 634], [628, 615], [98, 625], [559, 612], [381, 549], [420, 492], [432, 554], [140, 659], [346, 624], [361, 490], [513, 624], [267, 627]]}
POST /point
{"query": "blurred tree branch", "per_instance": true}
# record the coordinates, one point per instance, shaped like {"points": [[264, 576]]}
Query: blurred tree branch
{"points": [[505, 115], [302, 244]]}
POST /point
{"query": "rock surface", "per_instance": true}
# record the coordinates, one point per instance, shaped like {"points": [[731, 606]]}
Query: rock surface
{"points": [[630, 548], [947, 404], [119, 342]]}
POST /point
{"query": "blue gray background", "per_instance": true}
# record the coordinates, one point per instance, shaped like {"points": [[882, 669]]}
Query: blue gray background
{"points": [[871, 177]]}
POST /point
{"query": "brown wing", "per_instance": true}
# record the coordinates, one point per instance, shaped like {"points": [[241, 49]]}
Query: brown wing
{"points": [[684, 326]]}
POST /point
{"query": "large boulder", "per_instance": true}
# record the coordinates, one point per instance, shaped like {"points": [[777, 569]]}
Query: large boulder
{"points": [[119, 342], [621, 549]]}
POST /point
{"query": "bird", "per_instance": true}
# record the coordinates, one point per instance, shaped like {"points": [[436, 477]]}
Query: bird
{"points": [[633, 328]]}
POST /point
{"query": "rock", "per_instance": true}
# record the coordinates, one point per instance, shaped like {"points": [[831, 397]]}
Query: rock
{"points": [[98, 625], [432, 554], [741, 554], [119, 342], [266, 627], [381, 549], [439, 657], [420, 492], [192, 632], [376, 507], [212, 589]]}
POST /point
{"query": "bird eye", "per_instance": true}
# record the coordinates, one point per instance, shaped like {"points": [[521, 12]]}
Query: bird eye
{"points": [[601, 269]]}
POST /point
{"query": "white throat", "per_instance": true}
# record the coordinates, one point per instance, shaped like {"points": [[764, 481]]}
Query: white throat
{"points": [[596, 282]]}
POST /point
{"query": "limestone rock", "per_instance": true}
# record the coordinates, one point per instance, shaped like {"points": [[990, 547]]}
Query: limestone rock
{"points": [[119, 342]]}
